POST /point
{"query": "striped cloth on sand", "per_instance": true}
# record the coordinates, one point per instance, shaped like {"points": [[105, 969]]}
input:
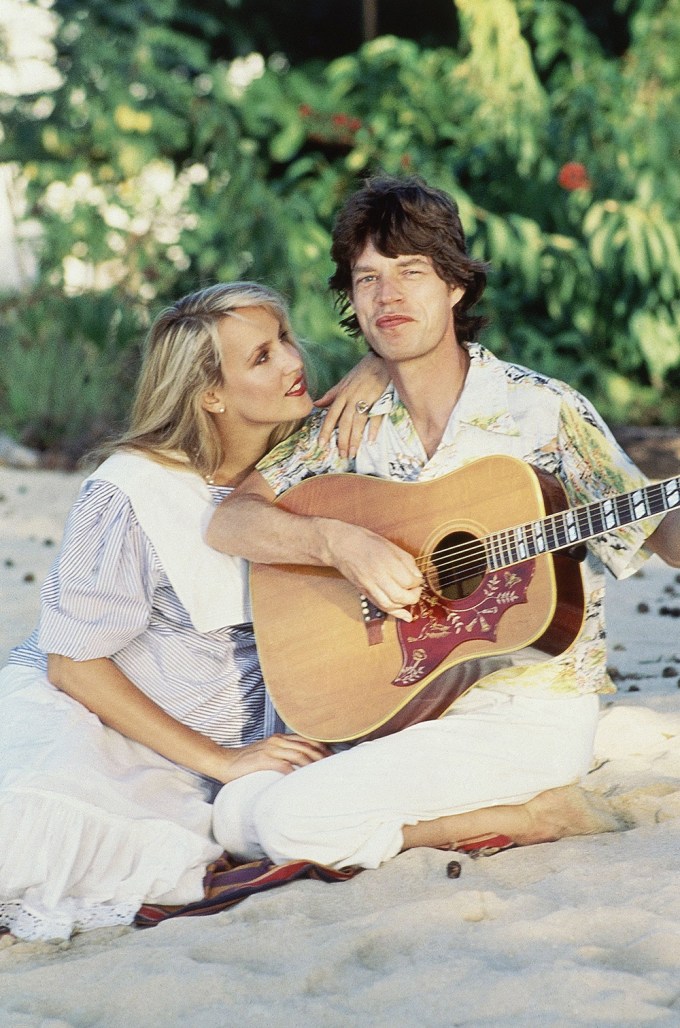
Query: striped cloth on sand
{"points": [[227, 883]]}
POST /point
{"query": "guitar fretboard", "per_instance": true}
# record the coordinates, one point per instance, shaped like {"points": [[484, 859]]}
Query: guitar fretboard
{"points": [[578, 524]]}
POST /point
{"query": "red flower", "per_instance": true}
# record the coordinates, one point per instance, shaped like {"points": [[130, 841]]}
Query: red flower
{"points": [[305, 110], [406, 161], [340, 119], [573, 175], [354, 124]]}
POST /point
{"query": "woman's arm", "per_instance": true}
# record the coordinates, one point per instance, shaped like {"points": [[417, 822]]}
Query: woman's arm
{"points": [[364, 384], [103, 688]]}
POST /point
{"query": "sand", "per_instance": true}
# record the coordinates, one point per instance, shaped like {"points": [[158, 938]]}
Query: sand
{"points": [[578, 932]]}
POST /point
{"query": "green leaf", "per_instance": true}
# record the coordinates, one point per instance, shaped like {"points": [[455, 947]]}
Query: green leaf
{"points": [[286, 143]]}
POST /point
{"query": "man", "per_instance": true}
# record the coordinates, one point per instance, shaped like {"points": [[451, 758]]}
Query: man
{"points": [[501, 766]]}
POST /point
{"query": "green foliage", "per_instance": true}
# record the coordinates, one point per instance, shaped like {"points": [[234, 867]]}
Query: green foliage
{"points": [[68, 364], [162, 167]]}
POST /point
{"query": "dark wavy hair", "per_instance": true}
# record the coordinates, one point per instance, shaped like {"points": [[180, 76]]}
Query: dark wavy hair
{"points": [[406, 216]]}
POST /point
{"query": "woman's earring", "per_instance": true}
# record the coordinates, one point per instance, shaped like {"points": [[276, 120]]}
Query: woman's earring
{"points": [[221, 410]]}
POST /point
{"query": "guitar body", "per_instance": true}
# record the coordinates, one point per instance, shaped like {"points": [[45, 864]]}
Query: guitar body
{"points": [[337, 670]]}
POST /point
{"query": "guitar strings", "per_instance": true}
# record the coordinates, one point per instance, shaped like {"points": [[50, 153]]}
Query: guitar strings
{"points": [[478, 547]]}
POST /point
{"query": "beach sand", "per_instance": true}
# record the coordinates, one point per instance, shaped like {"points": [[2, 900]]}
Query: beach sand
{"points": [[578, 932]]}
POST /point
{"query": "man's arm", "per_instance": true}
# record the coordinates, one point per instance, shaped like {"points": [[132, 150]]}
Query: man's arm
{"points": [[665, 539], [247, 524]]}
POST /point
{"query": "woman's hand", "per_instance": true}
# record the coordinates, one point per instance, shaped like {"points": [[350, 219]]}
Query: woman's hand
{"points": [[362, 385], [284, 753], [103, 688]]}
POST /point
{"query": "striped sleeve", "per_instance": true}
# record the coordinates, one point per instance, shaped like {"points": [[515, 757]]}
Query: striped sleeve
{"points": [[98, 595]]}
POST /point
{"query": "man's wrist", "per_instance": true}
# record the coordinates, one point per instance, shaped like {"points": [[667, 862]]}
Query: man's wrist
{"points": [[327, 537]]}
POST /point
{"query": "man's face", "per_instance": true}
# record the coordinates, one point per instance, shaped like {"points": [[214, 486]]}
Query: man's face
{"points": [[404, 309]]}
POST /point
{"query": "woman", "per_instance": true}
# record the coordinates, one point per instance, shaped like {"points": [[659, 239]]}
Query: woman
{"points": [[140, 694]]}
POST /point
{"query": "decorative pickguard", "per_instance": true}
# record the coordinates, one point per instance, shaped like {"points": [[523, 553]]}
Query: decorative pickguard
{"points": [[440, 625]]}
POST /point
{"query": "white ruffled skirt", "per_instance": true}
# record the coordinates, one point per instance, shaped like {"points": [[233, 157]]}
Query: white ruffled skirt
{"points": [[92, 825]]}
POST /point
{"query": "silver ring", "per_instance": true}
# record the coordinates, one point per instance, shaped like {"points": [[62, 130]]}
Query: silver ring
{"points": [[362, 407]]}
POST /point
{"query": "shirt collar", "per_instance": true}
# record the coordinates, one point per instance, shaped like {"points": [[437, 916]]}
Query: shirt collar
{"points": [[486, 377]]}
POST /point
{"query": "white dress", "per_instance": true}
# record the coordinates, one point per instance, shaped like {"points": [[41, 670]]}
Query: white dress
{"points": [[93, 824]]}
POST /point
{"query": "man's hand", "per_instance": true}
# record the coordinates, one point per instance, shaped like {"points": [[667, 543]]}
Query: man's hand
{"points": [[386, 574], [665, 540]]}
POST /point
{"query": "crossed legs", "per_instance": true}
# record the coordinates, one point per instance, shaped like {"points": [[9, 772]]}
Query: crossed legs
{"points": [[495, 764]]}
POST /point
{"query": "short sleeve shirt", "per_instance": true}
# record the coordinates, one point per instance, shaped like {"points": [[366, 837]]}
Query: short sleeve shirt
{"points": [[108, 595], [509, 410]]}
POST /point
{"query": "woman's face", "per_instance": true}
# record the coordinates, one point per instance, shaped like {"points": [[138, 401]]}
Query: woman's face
{"points": [[264, 379]]}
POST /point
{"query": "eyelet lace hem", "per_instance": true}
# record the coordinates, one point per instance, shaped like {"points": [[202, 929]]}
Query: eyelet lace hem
{"points": [[32, 925]]}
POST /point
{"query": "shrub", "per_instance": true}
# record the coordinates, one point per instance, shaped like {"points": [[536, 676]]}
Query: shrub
{"points": [[162, 168]]}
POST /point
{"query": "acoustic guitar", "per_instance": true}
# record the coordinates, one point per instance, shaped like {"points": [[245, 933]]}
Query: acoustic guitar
{"points": [[501, 575]]}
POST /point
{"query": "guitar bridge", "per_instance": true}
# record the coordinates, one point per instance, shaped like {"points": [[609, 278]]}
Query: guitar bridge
{"points": [[373, 618]]}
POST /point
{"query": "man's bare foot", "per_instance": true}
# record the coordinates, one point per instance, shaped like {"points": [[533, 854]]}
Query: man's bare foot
{"points": [[554, 814], [567, 811]]}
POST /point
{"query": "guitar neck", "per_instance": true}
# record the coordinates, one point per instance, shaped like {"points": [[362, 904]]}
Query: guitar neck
{"points": [[578, 524]]}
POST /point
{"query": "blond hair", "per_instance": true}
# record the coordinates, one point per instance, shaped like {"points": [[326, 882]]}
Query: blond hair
{"points": [[182, 360]]}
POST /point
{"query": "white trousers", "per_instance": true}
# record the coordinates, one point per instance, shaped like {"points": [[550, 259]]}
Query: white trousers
{"points": [[350, 808]]}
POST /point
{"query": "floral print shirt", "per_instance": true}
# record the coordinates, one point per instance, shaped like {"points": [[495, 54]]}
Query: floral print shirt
{"points": [[508, 410]]}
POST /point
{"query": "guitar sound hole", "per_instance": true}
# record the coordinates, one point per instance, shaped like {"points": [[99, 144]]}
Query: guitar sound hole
{"points": [[458, 565]]}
